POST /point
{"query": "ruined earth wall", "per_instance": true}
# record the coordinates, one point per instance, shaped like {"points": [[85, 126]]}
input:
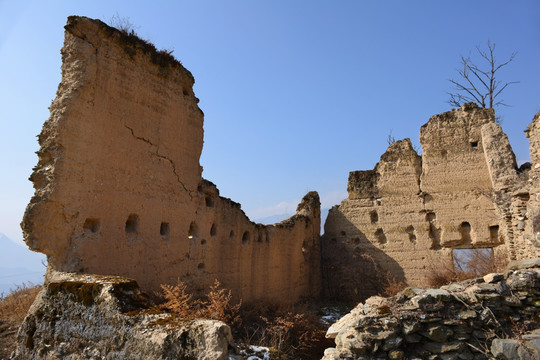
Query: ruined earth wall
{"points": [[119, 188], [409, 213], [528, 244]]}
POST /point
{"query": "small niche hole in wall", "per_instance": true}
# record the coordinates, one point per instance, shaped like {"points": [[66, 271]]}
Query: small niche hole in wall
{"points": [[465, 231], [373, 216], [213, 230], [444, 153], [381, 237], [260, 237], [474, 144], [342, 233], [231, 235], [132, 224], [434, 233], [203, 242], [164, 230], [193, 231], [412, 235], [92, 225], [201, 267], [245, 237], [494, 233], [209, 201]]}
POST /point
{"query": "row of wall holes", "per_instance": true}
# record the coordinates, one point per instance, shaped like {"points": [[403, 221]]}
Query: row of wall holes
{"points": [[193, 233], [93, 225], [465, 231]]}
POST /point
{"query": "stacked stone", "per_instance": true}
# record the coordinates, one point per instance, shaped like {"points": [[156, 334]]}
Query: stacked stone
{"points": [[496, 316]]}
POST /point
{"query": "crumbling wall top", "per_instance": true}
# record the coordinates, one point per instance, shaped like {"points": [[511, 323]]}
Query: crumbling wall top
{"points": [[95, 31]]}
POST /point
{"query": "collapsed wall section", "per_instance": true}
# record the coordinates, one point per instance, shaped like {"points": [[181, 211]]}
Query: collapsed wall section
{"points": [[119, 188], [377, 227], [456, 183], [407, 215], [528, 243]]}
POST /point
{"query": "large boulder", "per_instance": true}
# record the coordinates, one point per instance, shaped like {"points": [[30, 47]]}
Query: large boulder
{"points": [[107, 317]]}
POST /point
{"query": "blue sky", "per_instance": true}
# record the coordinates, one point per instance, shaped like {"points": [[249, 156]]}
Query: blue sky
{"points": [[295, 93]]}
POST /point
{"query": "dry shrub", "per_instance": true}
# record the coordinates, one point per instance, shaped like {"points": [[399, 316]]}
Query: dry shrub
{"points": [[442, 274], [15, 305], [290, 332], [474, 264], [392, 286], [215, 305], [177, 300]]}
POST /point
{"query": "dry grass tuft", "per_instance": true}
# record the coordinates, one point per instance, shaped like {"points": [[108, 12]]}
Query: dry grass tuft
{"points": [[15, 305], [13, 309]]}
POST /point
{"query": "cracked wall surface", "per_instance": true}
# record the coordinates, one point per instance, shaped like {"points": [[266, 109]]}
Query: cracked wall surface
{"points": [[118, 186], [405, 217]]}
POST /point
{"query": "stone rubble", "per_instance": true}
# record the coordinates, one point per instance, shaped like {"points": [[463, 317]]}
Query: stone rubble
{"points": [[495, 316]]}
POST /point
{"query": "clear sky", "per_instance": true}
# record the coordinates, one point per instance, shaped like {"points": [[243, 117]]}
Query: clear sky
{"points": [[295, 93]]}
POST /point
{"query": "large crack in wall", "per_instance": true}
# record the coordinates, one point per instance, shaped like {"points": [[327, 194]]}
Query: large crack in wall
{"points": [[156, 153]]}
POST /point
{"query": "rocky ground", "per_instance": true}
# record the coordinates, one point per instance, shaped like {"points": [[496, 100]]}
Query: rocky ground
{"points": [[495, 316]]}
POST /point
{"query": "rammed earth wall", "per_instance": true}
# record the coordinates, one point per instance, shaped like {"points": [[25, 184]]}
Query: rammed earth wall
{"points": [[407, 215], [119, 188]]}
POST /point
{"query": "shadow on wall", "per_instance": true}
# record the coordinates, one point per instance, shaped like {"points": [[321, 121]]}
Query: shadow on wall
{"points": [[353, 276]]}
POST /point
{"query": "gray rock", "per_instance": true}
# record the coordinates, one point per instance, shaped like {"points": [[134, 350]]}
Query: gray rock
{"points": [[438, 333], [396, 355], [438, 294], [493, 278], [392, 343], [440, 348], [467, 314], [350, 339], [413, 338], [524, 264], [505, 349], [410, 328]]}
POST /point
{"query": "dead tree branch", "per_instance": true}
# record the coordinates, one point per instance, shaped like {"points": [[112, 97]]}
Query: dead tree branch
{"points": [[480, 84]]}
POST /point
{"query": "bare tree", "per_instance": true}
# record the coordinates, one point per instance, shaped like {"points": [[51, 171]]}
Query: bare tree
{"points": [[480, 84], [390, 139]]}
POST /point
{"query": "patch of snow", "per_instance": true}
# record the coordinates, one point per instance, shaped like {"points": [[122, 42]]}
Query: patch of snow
{"points": [[256, 352], [333, 314]]}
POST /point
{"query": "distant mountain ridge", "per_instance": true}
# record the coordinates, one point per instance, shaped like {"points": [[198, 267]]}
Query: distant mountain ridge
{"points": [[19, 265]]}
